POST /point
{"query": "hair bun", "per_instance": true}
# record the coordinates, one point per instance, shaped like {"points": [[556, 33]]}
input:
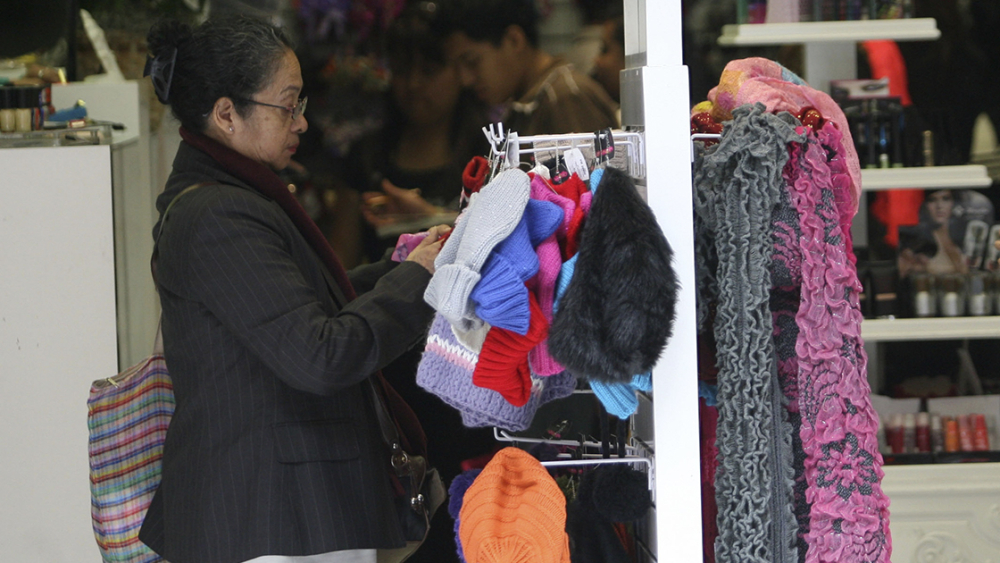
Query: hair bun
{"points": [[165, 36], [164, 40]]}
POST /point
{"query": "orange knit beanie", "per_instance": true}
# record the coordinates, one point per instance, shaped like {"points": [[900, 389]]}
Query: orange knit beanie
{"points": [[514, 512]]}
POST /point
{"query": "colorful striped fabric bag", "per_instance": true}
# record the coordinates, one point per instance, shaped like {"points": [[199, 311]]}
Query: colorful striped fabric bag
{"points": [[128, 415]]}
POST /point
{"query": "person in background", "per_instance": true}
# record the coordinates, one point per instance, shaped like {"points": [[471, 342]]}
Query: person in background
{"points": [[588, 40], [411, 169], [495, 44], [609, 64], [274, 453]]}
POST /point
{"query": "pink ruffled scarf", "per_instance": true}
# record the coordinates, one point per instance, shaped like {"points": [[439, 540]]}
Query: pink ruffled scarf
{"points": [[848, 516]]}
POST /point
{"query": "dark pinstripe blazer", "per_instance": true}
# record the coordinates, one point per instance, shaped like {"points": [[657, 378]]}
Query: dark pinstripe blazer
{"points": [[274, 447]]}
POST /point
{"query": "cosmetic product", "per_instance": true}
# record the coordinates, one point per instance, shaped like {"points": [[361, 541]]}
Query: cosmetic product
{"points": [[742, 7], [965, 433], [898, 127], [894, 434], [8, 109], [782, 11], [952, 295], [924, 295], [757, 11], [871, 123], [923, 433], [937, 434], [909, 433], [855, 9], [907, 8], [884, 124], [23, 117], [980, 296], [951, 443], [980, 434], [995, 282], [883, 443], [928, 145], [974, 242], [882, 288], [992, 252]]}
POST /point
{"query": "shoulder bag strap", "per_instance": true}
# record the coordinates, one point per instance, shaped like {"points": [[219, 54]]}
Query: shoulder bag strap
{"points": [[158, 342]]}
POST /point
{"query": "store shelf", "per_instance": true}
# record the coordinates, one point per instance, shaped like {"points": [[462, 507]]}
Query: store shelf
{"points": [[926, 177], [913, 29], [957, 328]]}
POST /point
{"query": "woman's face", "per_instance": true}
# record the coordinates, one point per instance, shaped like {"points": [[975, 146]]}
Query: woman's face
{"points": [[939, 206], [609, 64], [426, 92], [270, 135]]}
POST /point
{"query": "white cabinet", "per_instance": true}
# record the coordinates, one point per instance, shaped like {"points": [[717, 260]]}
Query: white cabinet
{"points": [[76, 303], [57, 335], [948, 513]]}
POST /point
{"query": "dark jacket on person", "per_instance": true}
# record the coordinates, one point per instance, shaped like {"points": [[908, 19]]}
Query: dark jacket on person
{"points": [[274, 448], [562, 101]]}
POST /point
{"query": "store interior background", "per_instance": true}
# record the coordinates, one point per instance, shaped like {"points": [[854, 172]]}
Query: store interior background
{"points": [[954, 82]]}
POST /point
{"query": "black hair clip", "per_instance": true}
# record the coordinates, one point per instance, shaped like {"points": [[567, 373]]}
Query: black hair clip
{"points": [[161, 74]]}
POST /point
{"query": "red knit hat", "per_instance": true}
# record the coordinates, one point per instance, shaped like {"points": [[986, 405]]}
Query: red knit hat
{"points": [[503, 361], [474, 175], [573, 189], [514, 512]]}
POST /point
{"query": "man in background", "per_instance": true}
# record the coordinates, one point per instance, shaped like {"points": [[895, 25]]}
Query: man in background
{"points": [[495, 45]]}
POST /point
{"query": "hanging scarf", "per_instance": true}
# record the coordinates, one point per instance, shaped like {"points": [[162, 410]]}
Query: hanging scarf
{"points": [[266, 181], [848, 513], [737, 187]]}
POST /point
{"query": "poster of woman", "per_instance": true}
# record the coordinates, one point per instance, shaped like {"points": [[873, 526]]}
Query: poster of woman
{"points": [[951, 236]]}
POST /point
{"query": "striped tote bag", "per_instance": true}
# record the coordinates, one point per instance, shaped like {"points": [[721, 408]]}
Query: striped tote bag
{"points": [[128, 415]]}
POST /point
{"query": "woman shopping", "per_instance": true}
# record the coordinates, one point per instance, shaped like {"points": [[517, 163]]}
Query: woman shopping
{"points": [[274, 453]]}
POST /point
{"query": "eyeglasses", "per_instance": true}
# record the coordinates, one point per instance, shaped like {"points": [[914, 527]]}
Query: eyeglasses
{"points": [[297, 110]]}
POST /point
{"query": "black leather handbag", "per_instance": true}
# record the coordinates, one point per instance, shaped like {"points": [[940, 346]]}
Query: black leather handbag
{"points": [[419, 488]]}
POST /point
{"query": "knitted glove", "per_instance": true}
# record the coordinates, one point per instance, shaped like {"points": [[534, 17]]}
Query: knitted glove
{"points": [[492, 215]]}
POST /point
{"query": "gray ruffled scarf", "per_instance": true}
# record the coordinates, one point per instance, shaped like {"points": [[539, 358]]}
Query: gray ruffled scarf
{"points": [[738, 189]]}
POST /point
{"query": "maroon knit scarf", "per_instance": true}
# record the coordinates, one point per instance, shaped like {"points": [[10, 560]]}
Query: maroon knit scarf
{"points": [[267, 182]]}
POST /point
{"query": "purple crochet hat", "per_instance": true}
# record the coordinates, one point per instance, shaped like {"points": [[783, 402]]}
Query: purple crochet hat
{"points": [[456, 494], [446, 369]]}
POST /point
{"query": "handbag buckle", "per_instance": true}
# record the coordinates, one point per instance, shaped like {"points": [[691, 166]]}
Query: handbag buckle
{"points": [[400, 461], [417, 504]]}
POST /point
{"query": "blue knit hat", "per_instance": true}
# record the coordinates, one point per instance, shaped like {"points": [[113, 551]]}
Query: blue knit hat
{"points": [[544, 217], [501, 297], [619, 398]]}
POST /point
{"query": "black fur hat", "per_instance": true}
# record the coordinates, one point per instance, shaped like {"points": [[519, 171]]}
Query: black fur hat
{"points": [[618, 311]]}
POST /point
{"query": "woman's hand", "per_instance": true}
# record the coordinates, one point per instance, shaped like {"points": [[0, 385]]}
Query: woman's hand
{"points": [[428, 249], [394, 204]]}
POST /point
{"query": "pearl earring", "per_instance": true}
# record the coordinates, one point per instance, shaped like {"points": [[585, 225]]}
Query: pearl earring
{"points": [[231, 130]]}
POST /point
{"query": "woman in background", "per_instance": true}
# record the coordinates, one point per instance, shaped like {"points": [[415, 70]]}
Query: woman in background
{"points": [[409, 171], [412, 168]]}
